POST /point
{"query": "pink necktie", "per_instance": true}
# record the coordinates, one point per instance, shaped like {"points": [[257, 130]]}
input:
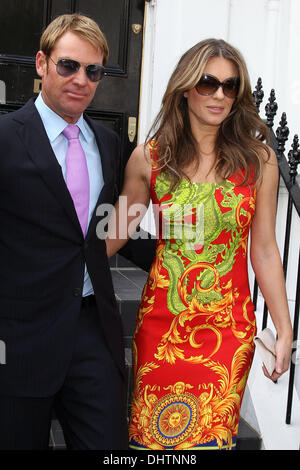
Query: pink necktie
{"points": [[77, 177]]}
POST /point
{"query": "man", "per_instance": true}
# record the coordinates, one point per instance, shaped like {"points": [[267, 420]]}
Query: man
{"points": [[58, 314]]}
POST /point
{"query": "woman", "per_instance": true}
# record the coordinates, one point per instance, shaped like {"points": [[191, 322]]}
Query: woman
{"points": [[210, 177]]}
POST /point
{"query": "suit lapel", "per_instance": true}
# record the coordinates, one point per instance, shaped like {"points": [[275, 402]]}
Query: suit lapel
{"points": [[35, 139], [39, 149]]}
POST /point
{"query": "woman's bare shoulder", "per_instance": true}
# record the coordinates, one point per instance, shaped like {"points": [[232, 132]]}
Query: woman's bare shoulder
{"points": [[268, 155]]}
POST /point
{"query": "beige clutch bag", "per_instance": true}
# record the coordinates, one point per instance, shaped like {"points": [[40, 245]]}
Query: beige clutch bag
{"points": [[265, 344]]}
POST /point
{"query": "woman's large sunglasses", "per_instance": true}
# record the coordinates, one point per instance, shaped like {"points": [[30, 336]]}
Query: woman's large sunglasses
{"points": [[67, 67], [208, 85]]}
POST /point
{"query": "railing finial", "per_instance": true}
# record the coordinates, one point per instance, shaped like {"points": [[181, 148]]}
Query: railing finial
{"points": [[294, 158], [258, 94], [271, 109], [282, 134]]}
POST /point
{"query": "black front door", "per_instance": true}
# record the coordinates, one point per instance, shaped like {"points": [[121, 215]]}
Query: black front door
{"points": [[117, 98]]}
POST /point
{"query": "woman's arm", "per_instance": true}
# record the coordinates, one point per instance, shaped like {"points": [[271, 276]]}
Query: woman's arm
{"points": [[132, 203], [266, 263]]}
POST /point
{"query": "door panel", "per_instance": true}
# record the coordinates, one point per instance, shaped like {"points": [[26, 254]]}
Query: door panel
{"points": [[114, 23], [21, 27], [117, 96]]}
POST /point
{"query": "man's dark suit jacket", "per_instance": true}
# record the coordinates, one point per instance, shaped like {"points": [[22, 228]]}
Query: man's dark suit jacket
{"points": [[43, 253]]}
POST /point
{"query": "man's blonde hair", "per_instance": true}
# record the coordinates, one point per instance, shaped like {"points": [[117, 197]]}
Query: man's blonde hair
{"points": [[78, 24]]}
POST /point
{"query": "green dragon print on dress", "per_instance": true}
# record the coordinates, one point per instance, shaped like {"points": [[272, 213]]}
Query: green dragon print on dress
{"points": [[179, 253]]}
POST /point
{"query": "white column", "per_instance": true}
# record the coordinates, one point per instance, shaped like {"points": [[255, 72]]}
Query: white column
{"points": [[171, 28], [271, 43], [149, 47], [289, 65]]}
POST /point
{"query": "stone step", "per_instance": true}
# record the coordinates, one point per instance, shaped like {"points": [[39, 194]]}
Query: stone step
{"points": [[247, 438]]}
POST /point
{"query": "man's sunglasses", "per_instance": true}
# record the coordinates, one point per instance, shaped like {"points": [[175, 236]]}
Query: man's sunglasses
{"points": [[208, 85], [67, 67]]}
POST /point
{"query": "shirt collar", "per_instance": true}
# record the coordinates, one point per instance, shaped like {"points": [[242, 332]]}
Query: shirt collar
{"points": [[54, 124]]}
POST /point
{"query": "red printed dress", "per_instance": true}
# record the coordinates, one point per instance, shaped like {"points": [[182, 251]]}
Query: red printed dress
{"points": [[193, 341]]}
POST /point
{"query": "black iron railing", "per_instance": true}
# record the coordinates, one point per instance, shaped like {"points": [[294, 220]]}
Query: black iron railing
{"points": [[288, 172]]}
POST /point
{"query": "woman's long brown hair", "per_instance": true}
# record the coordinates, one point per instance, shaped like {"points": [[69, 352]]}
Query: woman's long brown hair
{"points": [[240, 144]]}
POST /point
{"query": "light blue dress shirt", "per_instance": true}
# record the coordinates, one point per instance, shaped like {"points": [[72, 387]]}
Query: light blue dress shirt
{"points": [[54, 125]]}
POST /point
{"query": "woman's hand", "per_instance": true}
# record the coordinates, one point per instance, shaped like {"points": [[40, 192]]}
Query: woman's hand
{"points": [[283, 349]]}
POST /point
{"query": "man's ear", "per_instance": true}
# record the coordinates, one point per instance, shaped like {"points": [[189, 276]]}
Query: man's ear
{"points": [[41, 63]]}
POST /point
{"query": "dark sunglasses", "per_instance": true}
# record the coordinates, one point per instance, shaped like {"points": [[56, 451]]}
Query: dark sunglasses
{"points": [[67, 67], [208, 85]]}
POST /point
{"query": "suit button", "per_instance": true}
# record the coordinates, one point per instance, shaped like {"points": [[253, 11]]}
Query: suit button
{"points": [[77, 292]]}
